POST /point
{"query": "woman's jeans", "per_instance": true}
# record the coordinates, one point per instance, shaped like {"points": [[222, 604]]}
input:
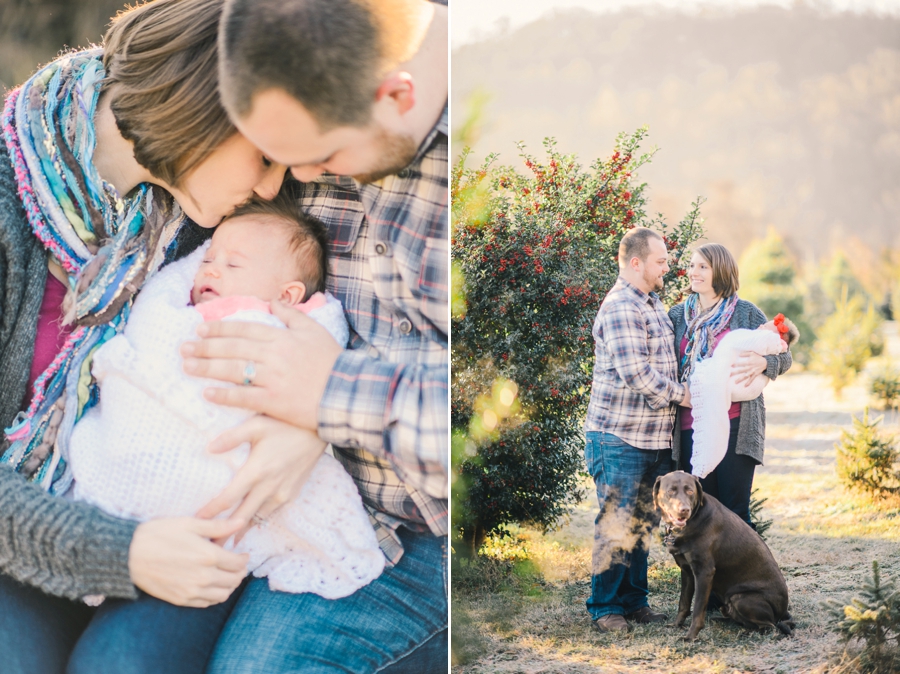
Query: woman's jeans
{"points": [[42, 634], [624, 476], [732, 480], [395, 624]]}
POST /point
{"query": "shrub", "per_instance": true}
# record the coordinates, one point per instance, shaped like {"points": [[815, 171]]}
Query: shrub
{"points": [[756, 504], [848, 338], [885, 387], [873, 618], [866, 458], [536, 254]]}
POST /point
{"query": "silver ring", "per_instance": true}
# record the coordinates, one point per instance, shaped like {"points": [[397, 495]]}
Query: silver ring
{"points": [[249, 373]]}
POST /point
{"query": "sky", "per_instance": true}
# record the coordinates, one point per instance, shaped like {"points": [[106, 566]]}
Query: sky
{"points": [[474, 20]]}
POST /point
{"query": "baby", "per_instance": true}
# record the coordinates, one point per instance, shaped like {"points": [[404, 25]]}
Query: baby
{"points": [[714, 388], [140, 453]]}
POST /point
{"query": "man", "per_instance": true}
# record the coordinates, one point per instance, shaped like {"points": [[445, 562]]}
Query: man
{"points": [[351, 95], [629, 429]]}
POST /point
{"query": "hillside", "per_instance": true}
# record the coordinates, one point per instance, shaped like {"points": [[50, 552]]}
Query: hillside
{"points": [[788, 118]]}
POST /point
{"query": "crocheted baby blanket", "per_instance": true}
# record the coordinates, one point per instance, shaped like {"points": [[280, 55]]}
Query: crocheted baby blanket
{"points": [[713, 389], [141, 452]]}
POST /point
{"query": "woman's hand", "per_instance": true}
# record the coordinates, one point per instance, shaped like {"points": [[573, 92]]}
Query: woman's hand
{"points": [[281, 458], [291, 367], [748, 365], [175, 560]]}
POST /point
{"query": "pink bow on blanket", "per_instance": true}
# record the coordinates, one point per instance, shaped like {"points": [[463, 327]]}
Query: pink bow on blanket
{"points": [[219, 308]]}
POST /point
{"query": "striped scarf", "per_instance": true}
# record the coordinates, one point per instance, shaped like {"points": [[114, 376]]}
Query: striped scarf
{"points": [[108, 245], [702, 330]]}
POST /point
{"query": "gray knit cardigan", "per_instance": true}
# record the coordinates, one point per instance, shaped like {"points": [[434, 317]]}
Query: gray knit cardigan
{"points": [[61, 547], [751, 440]]}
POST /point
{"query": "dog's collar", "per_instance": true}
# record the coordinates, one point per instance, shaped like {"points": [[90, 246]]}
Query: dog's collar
{"points": [[671, 533]]}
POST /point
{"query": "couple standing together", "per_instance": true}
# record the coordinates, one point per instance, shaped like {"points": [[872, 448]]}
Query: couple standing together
{"points": [[111, 160], [639, 424]]}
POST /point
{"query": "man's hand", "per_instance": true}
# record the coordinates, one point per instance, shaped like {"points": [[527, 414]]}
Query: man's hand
{"points": [[175, 560], [686, 401], [747, 366], [291, 366], [281, 458]]}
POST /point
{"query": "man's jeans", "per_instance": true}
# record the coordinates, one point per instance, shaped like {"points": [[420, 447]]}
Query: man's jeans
{"points": [[624, 476], [397, 624]]}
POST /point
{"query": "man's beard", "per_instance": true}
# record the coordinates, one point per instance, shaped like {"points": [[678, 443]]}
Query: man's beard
{"points": [[397, 151], [655, 283]]}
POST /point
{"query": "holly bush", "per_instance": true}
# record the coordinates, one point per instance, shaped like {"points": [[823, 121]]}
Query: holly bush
{"points": [[535, 253]]}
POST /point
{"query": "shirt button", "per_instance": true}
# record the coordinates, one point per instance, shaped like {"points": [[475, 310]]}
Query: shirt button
{"points": [[380, 248], [405, 326], [403, 173]]}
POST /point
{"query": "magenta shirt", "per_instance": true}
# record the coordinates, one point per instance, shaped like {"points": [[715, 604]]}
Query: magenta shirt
{"points": [[50, 334], [687, 419]]}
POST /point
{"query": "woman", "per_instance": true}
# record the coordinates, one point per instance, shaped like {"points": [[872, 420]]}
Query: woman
{"points": [[104, 154], [710, 311]]}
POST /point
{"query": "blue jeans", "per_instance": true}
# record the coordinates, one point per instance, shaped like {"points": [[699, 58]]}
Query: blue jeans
{"points": [[395, 624], [50, 635], [624, 476]]}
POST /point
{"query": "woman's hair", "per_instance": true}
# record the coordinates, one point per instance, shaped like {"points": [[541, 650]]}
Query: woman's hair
{"points": [[307, 237], [725, 278], [161, 64]]}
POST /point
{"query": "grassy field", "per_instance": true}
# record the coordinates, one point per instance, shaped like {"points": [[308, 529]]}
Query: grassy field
{"points": [[521, 608]]}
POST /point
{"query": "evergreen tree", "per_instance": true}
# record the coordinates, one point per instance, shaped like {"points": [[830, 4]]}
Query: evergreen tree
{"points": [[769, 280], [866, 457], [873, 618], [837, 275], [847, 339]]}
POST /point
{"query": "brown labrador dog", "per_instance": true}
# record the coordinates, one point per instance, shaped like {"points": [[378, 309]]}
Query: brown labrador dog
{"points": [[718, 552]]}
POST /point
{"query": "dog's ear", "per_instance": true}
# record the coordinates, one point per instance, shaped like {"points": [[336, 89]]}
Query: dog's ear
{"points": [[656, 491], [698, 492]]}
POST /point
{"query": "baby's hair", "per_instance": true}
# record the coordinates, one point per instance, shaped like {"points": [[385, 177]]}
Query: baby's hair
{"points": [[308, 237], [793, 334]]}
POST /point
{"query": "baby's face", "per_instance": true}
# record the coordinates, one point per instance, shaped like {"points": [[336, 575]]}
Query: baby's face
{"points": [[770, 326], [249, 255]]}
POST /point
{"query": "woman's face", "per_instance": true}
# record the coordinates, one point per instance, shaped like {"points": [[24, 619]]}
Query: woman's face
{"points": [[230, 175], [701, 275]]}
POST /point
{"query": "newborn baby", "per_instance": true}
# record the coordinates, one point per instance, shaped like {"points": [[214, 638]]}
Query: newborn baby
{"points": [[140, 453], [714, 388]]}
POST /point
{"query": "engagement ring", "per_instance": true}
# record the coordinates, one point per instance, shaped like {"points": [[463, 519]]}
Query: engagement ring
{"points": [[249, 372]]}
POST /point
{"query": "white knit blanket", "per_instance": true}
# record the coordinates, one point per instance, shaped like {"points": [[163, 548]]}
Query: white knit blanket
{"points": [[713, 389], [141, 452]]}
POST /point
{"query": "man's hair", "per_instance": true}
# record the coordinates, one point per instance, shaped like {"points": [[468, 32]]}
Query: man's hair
{"points": [[327, 54], [636, 243], [161, 64], [308, 238], [725, 277]]}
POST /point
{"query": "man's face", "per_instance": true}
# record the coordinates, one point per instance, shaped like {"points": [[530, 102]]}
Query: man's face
{"points": [[288, 134], [655, 266]]}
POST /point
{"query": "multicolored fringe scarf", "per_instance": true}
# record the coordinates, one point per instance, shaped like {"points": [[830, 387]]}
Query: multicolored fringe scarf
{"points": [[702, 330], [106, 244]]}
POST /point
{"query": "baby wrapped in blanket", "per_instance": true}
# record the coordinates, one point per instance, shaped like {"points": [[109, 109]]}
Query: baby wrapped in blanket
{"points": [[714, 388], [141, 452]]}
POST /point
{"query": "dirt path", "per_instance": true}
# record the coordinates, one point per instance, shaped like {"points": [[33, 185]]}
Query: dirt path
{"points": [[823, 537]]}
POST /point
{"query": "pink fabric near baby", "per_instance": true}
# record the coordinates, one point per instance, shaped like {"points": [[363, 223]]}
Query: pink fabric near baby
{"points": [[687, 419], [219, 308], [51, 335]]}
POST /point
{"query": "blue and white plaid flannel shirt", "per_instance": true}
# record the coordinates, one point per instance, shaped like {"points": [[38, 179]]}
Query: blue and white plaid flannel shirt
{"points": [[385, 407], [635, 369]]}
